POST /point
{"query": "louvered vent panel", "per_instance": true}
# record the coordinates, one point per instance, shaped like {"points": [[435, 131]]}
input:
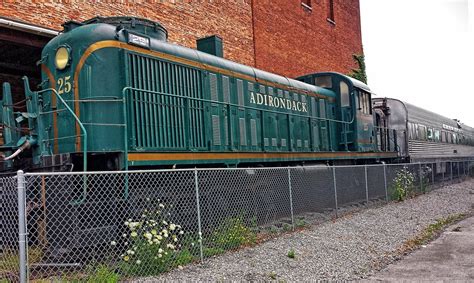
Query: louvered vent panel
{"points": [[226, 89], [240, 92], [243, 132], [213, 86], [216, 130], [159, 117], [253, 131]]}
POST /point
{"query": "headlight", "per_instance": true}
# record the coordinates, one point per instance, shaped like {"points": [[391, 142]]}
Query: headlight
{"points": [[62, 58]]}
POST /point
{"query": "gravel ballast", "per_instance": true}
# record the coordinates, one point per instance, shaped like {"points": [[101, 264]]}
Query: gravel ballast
{"points": [[351, 247]]}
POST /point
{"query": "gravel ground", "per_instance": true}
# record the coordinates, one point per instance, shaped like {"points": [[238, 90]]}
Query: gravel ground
{"points": [[349, 248]]}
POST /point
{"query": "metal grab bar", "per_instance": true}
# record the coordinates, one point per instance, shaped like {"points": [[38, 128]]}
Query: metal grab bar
{"points": [[84, 146], [84, 150]]}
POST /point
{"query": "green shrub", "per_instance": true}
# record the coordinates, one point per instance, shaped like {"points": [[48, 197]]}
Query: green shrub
{"points": [[231, 234], [403, 184]]}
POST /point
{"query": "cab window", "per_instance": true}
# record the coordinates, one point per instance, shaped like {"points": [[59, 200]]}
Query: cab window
{"points": [[323, 81], [344, 88], [363, 102]]}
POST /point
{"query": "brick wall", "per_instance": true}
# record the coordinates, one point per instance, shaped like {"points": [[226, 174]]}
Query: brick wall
{"points": [[185, 22], [292, 40], [279, 36]]}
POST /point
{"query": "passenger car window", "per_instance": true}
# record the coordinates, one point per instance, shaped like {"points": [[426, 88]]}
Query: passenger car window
{"points": [[437, 135], [430, 134]]}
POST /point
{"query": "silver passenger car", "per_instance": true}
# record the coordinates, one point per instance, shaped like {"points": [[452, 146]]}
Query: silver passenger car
{"points": [[421, 135]]}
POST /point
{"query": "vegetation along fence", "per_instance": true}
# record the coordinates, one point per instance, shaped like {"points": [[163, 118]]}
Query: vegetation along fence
{"points": [[141, 223]]}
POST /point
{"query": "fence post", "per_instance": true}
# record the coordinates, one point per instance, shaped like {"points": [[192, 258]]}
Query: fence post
{"points": [[433, 166], [451, 164], [196, 185], [335, 186], [22, 227], [366, 186], [441, 164], [421, 177], [459, 163], [291, 199], [385, 181]]}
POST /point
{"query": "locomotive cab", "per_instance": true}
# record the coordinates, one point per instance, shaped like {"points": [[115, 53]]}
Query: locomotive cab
{"points": [[353, 108]]}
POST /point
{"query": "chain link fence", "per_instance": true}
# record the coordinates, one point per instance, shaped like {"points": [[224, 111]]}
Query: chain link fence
{"points": [[99, 225]]}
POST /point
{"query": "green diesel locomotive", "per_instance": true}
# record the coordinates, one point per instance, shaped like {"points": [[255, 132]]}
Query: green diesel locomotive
{"points": [[116, 95]]}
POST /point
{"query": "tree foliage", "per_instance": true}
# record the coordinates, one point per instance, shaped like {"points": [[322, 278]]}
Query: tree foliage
{"points": [[359, 73]]}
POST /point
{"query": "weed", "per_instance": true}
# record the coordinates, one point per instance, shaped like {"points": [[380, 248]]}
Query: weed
{"points": [[301, 223], [103, 274], [231, 234], [286, 227], [273, 230], [210, 251], [430, 232], [403, 184], [272, 275], [291, 253]]}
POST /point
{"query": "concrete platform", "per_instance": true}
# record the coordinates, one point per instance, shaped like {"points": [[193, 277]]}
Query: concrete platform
{"points": [[448, 258]]}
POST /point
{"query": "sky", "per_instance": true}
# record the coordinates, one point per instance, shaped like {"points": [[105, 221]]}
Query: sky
{"points": [[422, 52]]}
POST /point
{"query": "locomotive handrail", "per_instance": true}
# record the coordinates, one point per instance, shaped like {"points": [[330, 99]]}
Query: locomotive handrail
{"points": [[393, 137], [230, 104], [84, 150]]}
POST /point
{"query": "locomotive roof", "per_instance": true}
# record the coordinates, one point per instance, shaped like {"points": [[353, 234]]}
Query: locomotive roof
{"points": [[356, 83], [92, 33]]}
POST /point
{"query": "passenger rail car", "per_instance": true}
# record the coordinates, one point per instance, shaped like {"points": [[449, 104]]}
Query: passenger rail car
{"points": [[116, 95], [424, 136]]}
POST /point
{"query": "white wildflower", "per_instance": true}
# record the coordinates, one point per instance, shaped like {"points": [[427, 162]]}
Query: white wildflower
{"points": [[113, 243], [172, 227], [148, 236], [138, 261]]}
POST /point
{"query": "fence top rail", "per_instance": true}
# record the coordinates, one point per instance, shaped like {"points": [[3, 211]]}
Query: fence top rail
{"points": [[308, 167]]}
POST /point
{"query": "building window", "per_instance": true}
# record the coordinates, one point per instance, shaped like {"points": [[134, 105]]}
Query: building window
{"points": [[306, 4], [331, 12]]}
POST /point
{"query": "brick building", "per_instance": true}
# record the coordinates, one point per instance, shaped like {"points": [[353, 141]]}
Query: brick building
{"points": [[287, 37]]}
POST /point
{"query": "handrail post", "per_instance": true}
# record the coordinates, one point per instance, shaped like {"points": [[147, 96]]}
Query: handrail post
{"points": [[125, 131]]}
